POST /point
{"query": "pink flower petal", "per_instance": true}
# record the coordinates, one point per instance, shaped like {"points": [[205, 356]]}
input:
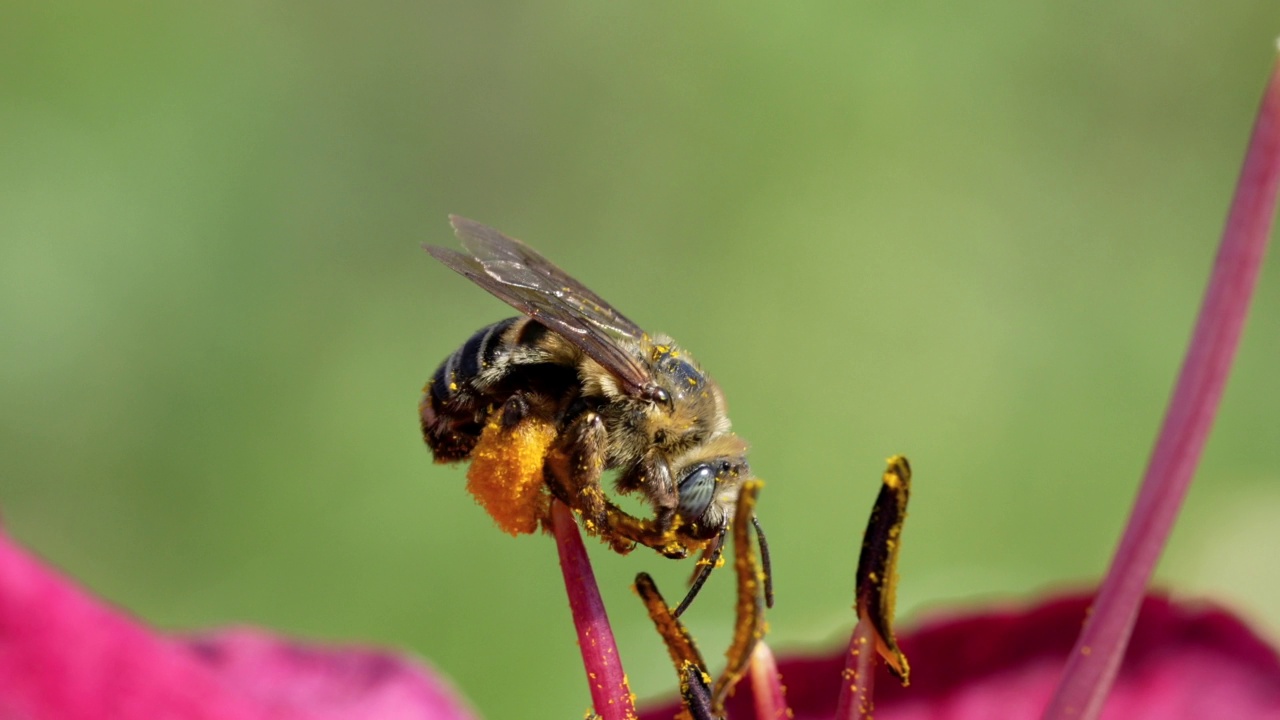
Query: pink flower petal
{"points": [[66, 656], [1184, 661]]}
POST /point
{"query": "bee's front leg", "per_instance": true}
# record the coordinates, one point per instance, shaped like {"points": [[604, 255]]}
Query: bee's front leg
{"points": [[652, 476]]}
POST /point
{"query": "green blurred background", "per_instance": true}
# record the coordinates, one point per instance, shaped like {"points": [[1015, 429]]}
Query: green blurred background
{"points": [[976, 234]]}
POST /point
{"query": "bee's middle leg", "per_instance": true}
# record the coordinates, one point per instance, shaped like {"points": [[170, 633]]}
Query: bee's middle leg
{"points": [[573, 466]]}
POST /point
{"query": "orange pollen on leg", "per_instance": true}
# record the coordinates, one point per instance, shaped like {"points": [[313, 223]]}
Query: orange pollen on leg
{"points": [[505, 476]]}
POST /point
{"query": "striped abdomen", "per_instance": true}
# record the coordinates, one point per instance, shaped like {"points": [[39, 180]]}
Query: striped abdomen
{"points": [[478, 377]]}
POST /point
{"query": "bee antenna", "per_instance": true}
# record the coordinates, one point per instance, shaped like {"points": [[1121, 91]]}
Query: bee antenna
{"points": [[706, 564], [764, 561]]}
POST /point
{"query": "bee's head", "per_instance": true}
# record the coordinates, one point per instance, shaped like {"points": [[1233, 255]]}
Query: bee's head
{"points": [[707, 483]]}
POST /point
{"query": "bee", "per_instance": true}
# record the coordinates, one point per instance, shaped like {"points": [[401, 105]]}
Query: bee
{"points": [[616, 398]]}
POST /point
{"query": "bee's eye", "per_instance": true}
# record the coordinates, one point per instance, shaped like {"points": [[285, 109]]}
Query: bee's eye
{"points": [[662, 398], [655, 394], [695, 491]]}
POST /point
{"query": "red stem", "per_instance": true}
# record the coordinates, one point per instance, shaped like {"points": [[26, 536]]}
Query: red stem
{"points": [[766, 687], [1093, 664], [610, 694], [858, 679]]}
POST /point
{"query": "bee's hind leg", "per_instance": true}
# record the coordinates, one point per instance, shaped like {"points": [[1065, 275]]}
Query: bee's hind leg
{"points": [[514, 410]]}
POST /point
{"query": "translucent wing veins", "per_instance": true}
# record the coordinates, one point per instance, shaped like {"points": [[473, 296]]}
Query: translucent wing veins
{"points": [[516, 274]]}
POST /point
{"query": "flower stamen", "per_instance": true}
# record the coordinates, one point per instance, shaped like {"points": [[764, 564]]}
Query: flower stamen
{"points": [[877, 581], [878, 564], [749, 615], [1093, 664]]}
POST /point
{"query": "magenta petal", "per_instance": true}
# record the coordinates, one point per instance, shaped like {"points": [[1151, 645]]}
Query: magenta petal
{"points": [[1184, 661], [308, 681], [66, 656]]}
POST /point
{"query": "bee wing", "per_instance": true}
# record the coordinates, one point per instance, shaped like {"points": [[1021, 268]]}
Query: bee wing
{"points": [[516, 274]]}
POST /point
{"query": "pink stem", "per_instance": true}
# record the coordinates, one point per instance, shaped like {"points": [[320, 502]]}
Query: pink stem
{"points": [[766, 687], [1096, 658], [858, 679], [610, 694]]}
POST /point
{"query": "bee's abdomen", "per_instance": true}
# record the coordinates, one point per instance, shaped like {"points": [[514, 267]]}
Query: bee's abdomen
{"points": [[452, 405], [514, 355], [457, 374]]}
